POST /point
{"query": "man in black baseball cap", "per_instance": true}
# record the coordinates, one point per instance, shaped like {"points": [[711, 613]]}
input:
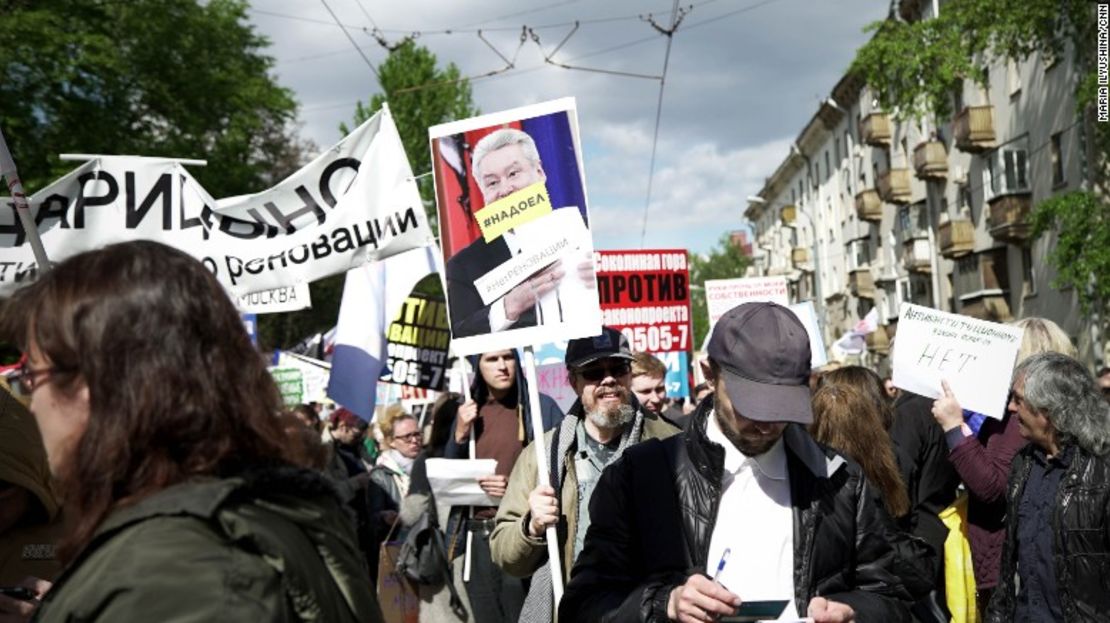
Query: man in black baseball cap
{"points": [[743, 506], [602, 423]]}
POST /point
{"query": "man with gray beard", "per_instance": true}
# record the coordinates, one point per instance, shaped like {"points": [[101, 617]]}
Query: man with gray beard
{"points": [[604, 421]]}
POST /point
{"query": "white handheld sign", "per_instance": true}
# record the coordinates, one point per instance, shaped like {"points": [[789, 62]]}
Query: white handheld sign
{"points": [[975, 356]]}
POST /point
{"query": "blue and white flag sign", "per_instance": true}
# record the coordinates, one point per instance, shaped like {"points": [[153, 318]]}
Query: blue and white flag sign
{"points": [[372, 296]]}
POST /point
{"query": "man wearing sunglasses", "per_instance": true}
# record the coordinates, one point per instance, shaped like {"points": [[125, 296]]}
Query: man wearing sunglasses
{"points": [[602, 423]]}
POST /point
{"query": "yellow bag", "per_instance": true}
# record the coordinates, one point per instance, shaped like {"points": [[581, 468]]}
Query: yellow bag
{"points": [[959, 581]]}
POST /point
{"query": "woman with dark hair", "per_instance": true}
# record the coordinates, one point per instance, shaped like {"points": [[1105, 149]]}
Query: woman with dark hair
{"points": [[162, 425], [849, 421]]}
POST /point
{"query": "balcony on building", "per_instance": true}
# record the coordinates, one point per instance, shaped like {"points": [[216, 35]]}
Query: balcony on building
{"points": [[788, 214], [981, 285], [878, 341], [1010, 217], [957, 237], [799, 257], [874, 129], [930, 161], [974, 129], [917, 255], [894, 186], [869, 206], [861, 283]]}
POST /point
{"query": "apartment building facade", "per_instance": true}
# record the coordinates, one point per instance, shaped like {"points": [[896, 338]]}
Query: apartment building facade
{"points": [[871, 211]]}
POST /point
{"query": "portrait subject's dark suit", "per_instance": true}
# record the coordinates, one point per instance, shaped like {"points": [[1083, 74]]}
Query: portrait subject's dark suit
{"points": [[468, 315]]}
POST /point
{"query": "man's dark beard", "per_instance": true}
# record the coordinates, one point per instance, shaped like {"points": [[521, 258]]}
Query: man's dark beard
{"points": [[748, 446]]}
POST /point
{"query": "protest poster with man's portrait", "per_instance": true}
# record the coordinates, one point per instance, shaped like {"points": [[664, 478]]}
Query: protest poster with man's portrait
{"points": [[514, 228]]}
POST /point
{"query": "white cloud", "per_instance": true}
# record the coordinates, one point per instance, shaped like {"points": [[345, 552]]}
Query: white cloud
{"points": [[699, 190]]}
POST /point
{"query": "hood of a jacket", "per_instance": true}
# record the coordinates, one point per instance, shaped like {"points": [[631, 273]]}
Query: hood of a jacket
{"points": [[22, 455], [479, 391]]}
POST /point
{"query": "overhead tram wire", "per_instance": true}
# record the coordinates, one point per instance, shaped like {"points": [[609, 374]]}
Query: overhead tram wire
{"points": [[352, 40], [675, 19]]}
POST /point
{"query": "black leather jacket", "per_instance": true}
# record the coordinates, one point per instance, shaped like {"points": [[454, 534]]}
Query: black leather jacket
{"points": [[1081, 543], [646, 537]]}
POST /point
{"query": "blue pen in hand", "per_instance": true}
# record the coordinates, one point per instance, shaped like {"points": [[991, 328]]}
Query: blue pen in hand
{"points": [[721, 565]]}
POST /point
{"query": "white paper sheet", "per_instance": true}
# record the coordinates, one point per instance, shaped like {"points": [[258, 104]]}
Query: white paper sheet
{"points": [[455, 481]]}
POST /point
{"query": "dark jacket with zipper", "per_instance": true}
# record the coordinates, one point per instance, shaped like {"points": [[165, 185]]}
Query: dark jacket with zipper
{"points": [[1081, 539], [272, 545], [653, 515]]}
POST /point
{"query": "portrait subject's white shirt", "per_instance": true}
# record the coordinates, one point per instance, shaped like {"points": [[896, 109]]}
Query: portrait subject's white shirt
{"points": [[755, 522]]}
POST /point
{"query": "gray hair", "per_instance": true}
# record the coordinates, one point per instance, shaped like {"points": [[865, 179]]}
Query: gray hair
{"points": [[1064, 391], [503, 138]]}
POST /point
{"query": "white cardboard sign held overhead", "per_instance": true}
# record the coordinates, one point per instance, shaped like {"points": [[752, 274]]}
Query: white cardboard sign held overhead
{"points": [[975, 356], [722, 295]]}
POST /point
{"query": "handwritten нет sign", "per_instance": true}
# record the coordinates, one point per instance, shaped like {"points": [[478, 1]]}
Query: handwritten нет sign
{"points": [[975, 356]]}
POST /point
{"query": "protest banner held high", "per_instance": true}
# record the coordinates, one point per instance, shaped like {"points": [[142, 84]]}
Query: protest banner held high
{"points": [[417, 342], [514, 226], [645, 294], [354, 203]]}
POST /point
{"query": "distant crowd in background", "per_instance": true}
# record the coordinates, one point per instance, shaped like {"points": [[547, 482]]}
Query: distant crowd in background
{"points": [[163, 480]]}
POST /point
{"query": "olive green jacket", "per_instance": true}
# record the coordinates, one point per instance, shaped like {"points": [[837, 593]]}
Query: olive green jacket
{"points": [[520, 554], [273, 545]]}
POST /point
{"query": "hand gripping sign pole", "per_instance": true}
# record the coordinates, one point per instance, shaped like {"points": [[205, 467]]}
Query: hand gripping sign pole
{"points": [[541, 465], [22, 208]]}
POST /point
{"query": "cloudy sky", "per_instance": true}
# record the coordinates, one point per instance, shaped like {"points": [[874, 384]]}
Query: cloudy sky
{"points": [[743, 77]]}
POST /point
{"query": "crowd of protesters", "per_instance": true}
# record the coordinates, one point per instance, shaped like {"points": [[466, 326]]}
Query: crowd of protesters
{"points": [[164, 480]]}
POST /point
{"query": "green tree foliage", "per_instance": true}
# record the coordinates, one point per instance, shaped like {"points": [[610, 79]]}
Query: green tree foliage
{"points": [[914, 67], [420, 95], [724, 261], [445, 98], [1081, 253], [177, 78]]}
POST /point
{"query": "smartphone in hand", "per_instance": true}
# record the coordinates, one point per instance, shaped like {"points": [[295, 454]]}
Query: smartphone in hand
{"points": [[21, 593]]}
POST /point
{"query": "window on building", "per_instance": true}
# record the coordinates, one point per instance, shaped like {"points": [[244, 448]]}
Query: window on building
{"points": [[828, 169], [837, 145], [963, 192], [1013, 78], [914, 221], [1008, 168], [958, 98], [985, 86], [859, 253], [1057, 154], [1028, 283], [921, 289]]}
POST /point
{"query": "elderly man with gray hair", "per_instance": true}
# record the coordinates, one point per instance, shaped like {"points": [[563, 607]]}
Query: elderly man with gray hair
{"points": [[504, 162], [1056, 561]]}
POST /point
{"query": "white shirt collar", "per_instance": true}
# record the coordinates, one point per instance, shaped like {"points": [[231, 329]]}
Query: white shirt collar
{"points": [[771, 463]]}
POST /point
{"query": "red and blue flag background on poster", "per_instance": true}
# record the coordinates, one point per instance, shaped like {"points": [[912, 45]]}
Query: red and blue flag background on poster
{"points": [[645, 294]]}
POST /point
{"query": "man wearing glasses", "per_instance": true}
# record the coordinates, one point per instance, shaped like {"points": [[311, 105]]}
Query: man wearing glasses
{"points": [[604, 421]]}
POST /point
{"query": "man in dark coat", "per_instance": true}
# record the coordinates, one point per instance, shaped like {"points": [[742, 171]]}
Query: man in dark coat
{"points": [[744, 485]]}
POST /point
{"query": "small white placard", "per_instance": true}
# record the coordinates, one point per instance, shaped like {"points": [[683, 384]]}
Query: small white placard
{"points": [[455, 481]]}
